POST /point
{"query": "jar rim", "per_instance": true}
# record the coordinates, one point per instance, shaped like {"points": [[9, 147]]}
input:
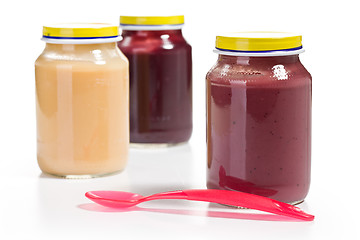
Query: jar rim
{"points": [[150, 27], [152, 22], [80, 33], [81, 41], [273, 53], [259, 42]]}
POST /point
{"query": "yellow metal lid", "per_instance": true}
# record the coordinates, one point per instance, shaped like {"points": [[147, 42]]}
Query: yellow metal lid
{"points": [[259, 42], [94, 32], [151, 22]]}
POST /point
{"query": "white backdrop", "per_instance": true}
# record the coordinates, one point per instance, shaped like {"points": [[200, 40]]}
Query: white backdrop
{"points": [[331, 36]]}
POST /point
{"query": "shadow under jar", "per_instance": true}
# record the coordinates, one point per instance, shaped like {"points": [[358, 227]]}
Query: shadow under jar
{"points": [[259, 116], [160, 80]]}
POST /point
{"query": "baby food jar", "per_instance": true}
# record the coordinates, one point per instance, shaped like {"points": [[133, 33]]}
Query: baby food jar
{"points": [[82, 101], [259, 116], [160, 79]]}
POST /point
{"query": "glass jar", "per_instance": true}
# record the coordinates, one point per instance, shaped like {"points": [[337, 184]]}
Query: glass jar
{"points": [[160, 80], [81, 101], [259, 116]]}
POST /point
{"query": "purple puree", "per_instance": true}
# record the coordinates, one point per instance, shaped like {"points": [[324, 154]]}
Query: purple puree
{"points": [[160, 86], [259, 126]]}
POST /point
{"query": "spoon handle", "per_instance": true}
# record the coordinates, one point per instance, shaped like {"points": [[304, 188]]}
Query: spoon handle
{"points": [[234, 198]]}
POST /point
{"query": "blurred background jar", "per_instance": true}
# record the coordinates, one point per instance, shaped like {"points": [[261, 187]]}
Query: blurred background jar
{"points": [[259, 116], [160, 79], [81, 101]]}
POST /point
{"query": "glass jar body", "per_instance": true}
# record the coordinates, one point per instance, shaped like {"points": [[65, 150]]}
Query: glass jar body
{"points": [[160, 86], [259, 126], [82, 109]]}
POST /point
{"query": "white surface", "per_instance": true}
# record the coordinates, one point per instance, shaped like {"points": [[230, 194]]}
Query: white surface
{"points": [[35, 206]]}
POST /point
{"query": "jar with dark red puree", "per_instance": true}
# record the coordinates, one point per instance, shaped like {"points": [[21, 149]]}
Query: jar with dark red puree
{"points": [[160, 79], [259, 116]]}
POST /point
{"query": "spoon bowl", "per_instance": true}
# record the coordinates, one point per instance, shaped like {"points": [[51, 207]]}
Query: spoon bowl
{"points": [[114, 199]]}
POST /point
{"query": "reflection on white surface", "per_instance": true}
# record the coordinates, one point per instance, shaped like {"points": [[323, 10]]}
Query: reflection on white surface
{"points": [[148, 171], [246, 214], [57, 196], [47, 205], [164, 169]]}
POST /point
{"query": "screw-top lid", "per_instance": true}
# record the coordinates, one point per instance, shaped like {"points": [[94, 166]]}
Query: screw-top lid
{"points": [[151, 22], [259, 44], [80, 33]]}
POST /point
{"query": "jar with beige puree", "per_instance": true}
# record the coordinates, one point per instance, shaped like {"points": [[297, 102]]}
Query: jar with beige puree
{"points": [[82, 101]]}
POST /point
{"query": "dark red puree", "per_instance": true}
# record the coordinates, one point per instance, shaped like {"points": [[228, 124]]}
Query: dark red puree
{"points": [[160, 85], [259, 126]]}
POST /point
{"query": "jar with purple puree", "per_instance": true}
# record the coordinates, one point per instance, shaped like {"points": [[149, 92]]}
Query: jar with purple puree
{"points": [[160, 79], [259, 116]]}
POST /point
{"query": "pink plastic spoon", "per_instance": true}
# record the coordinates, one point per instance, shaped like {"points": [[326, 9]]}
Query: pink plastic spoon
{"points": [[116, 199]]}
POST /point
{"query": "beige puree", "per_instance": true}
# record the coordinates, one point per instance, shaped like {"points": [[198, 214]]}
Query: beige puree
{"points": [[82, 109]]}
